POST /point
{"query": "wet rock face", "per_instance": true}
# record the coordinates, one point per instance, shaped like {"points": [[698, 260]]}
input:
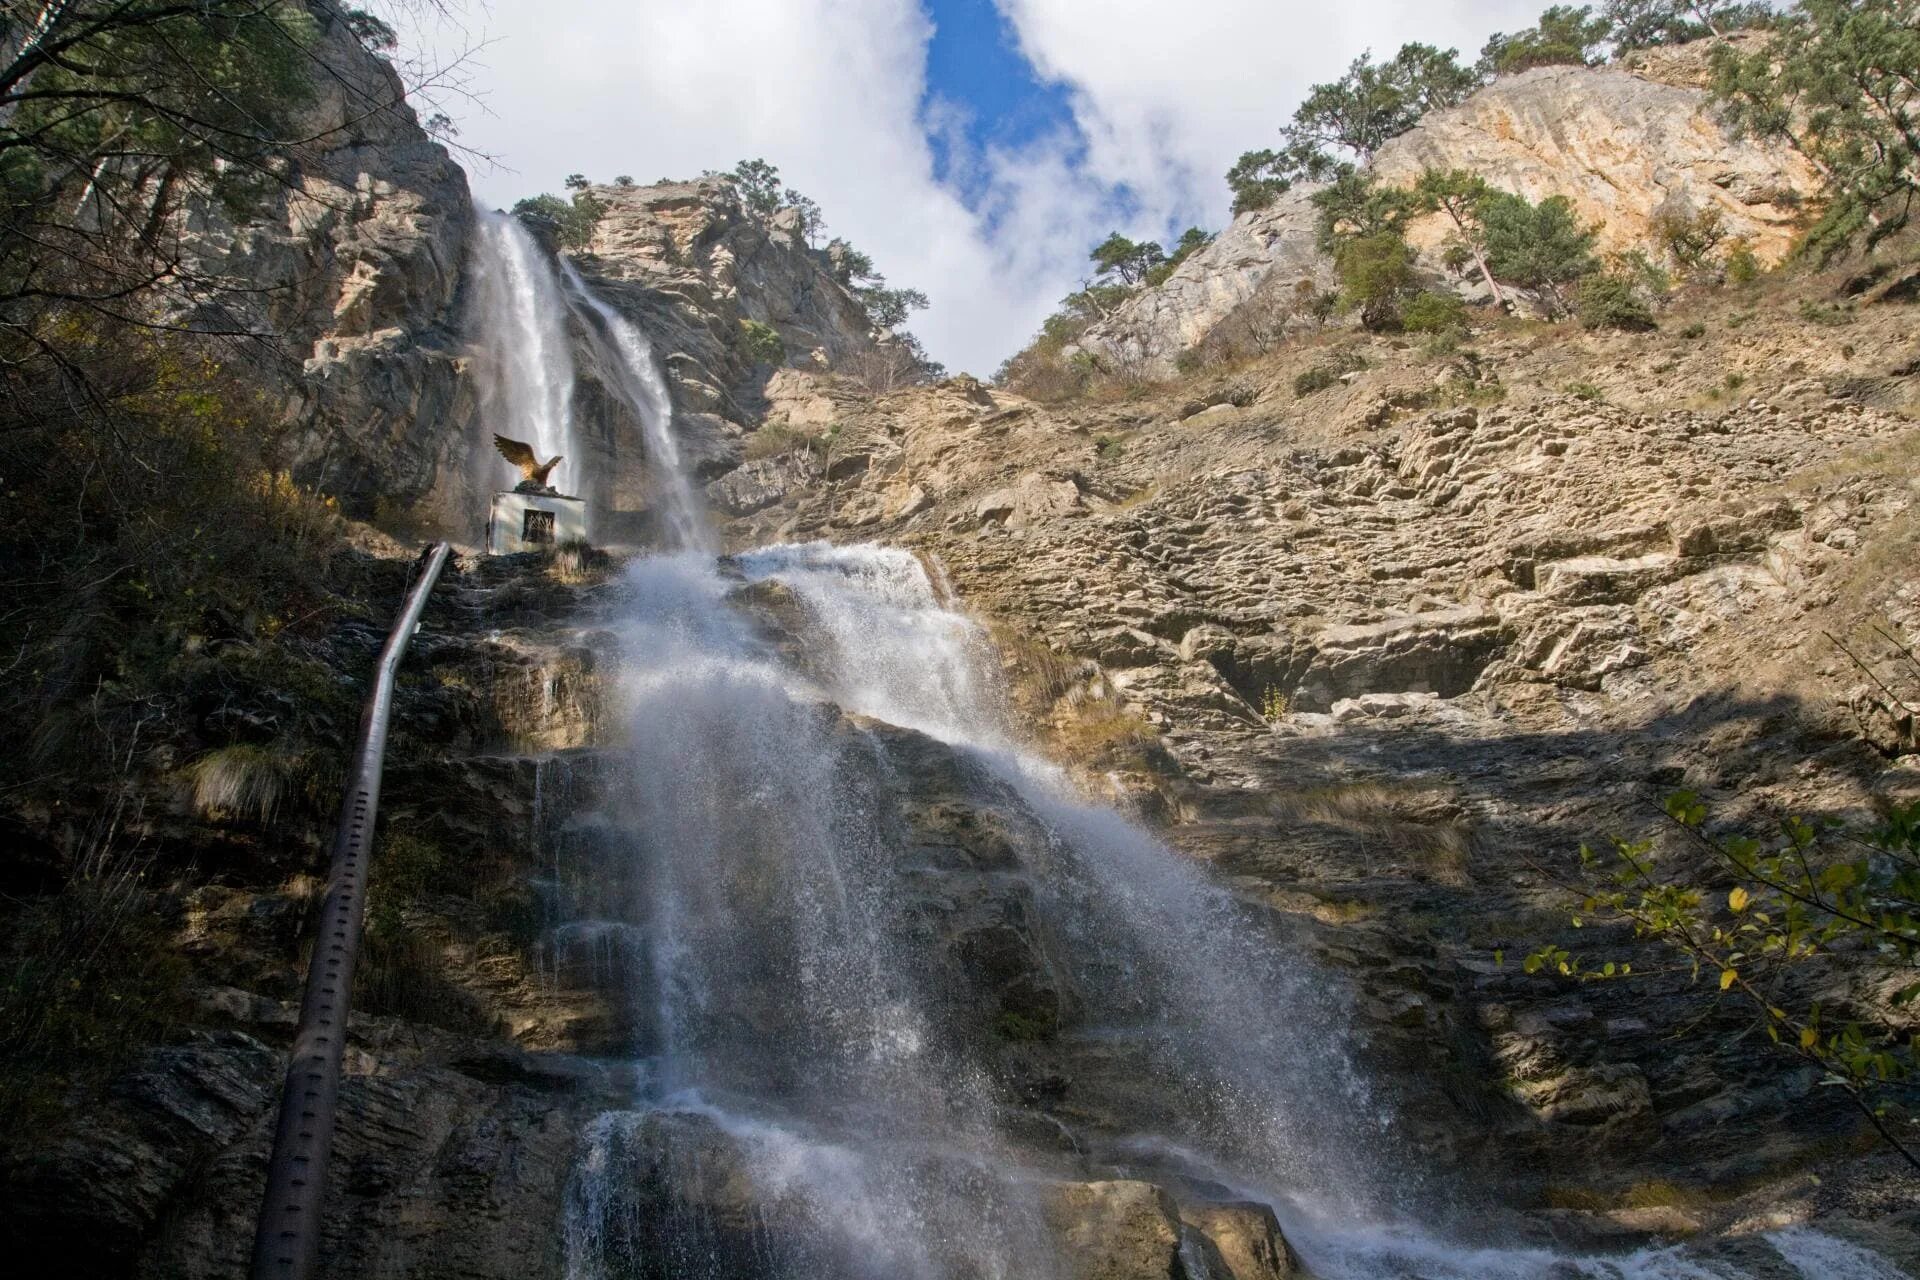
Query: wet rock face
{"points": [[674, 1194], [1622, 143]]}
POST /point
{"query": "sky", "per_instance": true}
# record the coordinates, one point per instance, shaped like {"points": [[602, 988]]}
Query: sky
{"points": [[975, 149]]}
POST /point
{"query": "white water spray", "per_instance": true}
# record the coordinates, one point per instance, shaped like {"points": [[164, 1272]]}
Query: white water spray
{"points": [[523, 363], [805, 1041]]}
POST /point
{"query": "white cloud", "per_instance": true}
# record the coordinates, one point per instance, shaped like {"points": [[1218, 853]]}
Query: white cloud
{"points": [[1168, 95], [832, 91]]}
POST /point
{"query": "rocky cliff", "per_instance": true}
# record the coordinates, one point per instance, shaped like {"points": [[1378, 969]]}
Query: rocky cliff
{"points": [[693, 267], [1622, 143], [1386, 654], [1380, 656], [359, 269], [355, 267]]}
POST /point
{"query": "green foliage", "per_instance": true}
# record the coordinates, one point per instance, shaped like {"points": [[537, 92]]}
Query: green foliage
{"points": [[1826, 314], [1353, 204], [1376, 275], [780, 441], [1124, 259], [812, 222], [1564, 36], [113, 113], [370, 30], [1694, 331], [889, 308], [1191, 241], [762, 343], [576, 182], [1360, 223], [1541, 247], [138, 532], [562, 223], [624, 181], [847, 263], [758, 184], [1586, 391], [1689, 236], [1257, 179], [1612, 302], [1459, 194], [1837, 82], [1838, 905], [1348, 119], [87, 980], [1372, 103], [1431, 312], [1646, 275], [1743, 267], [1640, 24]]}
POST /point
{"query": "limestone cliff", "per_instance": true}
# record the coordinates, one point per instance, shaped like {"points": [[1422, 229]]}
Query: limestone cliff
{"points": [[1387, 653], [1622, 143], [354, 266]]}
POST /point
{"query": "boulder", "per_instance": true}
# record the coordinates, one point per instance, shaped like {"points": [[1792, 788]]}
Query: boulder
{"points": [[1241, 1240], [1115, 1230]]}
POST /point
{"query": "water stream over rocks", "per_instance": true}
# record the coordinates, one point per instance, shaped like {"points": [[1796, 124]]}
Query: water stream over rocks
{"points": [[906, 1006], [523, 362]]}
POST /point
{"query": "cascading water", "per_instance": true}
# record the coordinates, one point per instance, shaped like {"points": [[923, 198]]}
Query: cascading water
{"points": [[525, 370], [816, 1097], [523, 363], [803, 1039], [626, 356]]}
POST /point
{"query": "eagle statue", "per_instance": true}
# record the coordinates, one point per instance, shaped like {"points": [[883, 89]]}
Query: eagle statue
{"points": [[533, 472]]}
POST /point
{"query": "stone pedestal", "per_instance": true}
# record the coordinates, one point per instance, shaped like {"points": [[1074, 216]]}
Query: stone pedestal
{"points": [[521, 522]]}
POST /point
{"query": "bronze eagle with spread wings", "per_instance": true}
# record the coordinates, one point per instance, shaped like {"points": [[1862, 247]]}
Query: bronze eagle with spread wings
{"points": [[521, 455]]}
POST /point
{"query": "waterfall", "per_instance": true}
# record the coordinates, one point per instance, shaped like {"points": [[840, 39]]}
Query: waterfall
{"points": [[523, 365], [802, 1038], [626, 358], [769, 881]]}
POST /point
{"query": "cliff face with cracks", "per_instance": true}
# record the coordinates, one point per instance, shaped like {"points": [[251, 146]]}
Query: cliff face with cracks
{"points": [[357, 269], [1382, 657], [353, 267], [1387, 654], [691, 266]]}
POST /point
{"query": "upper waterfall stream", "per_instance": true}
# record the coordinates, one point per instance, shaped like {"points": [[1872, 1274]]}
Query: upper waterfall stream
{"points": [[840, 888]]}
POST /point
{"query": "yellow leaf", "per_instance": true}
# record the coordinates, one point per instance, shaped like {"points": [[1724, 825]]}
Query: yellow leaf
{"points": [[1808, 1037], [1739, 899], [1727, 976]]}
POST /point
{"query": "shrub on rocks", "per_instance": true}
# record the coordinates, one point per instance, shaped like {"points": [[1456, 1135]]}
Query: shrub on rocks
{"points": [[1610, 302], [1434, 313]]}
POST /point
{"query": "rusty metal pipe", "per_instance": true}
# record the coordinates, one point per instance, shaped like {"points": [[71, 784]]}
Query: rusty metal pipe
{"points": [[287, 1241]]}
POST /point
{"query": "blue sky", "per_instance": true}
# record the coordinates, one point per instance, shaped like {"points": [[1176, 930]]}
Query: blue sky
{"points": [[976, 149], [974, 64]]}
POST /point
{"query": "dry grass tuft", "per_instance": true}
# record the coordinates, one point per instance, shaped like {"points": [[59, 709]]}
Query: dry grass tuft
{"points": [[243, 781]]}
